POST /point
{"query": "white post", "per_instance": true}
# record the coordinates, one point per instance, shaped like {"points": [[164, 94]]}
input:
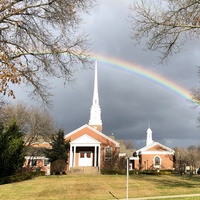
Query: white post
{"points": [[127, 176], [99, 156], [74, 156], [95, 156], [70, 156]]}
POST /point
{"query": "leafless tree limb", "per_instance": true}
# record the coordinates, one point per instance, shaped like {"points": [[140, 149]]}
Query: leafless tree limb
{"points": [[40, 40], [165, 24]]}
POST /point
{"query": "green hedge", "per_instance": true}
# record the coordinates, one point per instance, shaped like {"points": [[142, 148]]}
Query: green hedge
{"points": [[20, 177], [112, 172], [120, 172], [155, 172], [133, 172]]}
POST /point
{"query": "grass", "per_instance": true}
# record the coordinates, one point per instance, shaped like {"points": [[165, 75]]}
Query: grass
{"points": [[100, 187]]}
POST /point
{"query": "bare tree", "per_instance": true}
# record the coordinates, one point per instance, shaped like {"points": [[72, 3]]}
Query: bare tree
{"points": [[167, 24], [1, 100], [187, 156], [129, 144], [40, 39], [36, 123], [196, 97]]}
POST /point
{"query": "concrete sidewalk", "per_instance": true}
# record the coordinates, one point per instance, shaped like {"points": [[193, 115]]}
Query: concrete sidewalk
{"points": [[164, 197]]}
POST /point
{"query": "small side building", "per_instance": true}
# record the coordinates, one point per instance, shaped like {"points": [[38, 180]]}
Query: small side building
{"points": [[35, 158], [154, 156]]}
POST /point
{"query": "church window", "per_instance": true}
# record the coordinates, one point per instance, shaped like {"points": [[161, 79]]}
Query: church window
{"points": [[46, 162], [157, 160], [107, 153]]}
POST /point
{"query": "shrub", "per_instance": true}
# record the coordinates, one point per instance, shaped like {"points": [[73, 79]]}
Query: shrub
{"points": [[151, 172], [132, 172], [20, 177], [156, 172], [166, 172], [111, 172], [58, 167], [120, 172]]}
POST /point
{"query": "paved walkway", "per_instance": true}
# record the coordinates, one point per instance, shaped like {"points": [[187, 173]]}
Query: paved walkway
{"points": [[164, 197]]}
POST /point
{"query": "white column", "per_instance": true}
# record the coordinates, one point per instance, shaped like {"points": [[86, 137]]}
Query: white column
{"points": [[95, 156], [70, 156], [74, 155], [99, 156]]}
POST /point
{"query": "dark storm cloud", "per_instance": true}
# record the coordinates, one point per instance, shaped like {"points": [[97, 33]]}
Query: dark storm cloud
{"points": [[128, 101]]}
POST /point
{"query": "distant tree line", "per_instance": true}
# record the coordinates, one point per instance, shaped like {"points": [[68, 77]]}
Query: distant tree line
{"points": [[189, 156], [20, 127]]}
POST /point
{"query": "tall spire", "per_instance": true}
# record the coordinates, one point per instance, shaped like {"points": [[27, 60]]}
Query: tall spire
{"points": [[95, 111], [149, 139]]}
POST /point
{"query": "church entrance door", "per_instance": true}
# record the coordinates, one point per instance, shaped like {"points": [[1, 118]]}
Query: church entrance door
{"points": [[85, 158]]}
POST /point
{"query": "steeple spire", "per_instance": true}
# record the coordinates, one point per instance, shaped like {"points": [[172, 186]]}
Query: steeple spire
{"points": [[149, 139], [95, 111]]}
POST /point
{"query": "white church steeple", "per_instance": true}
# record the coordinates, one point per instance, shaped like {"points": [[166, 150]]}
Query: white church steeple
{"points": [[95, 111], [149, 139]]}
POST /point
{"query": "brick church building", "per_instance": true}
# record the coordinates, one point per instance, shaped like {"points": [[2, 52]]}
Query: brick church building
{"points": [[92, 150]]}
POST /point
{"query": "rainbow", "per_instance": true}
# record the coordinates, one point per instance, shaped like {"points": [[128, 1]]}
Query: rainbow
{"points": [[145, 73], [141, 71]]}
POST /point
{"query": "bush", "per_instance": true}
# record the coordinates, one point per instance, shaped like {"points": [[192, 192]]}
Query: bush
{"points": [[20, 177], [150, 172], [132, 172], [166, 172], [156, 172], [120, 172], [58, 167], [112, 172]]}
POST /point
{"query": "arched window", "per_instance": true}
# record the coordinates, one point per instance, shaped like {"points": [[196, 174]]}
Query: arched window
{"points": [[157, 161]]}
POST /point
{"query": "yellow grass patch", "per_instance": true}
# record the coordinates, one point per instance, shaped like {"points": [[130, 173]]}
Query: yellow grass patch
{"points": [[96, 187]]}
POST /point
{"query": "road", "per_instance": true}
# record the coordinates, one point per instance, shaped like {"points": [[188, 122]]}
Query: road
{"points": [[164, 197]]}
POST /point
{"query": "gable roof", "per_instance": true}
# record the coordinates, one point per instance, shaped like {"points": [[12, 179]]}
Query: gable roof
{"points": [[94, 130], [85, 140], [149, 149]]}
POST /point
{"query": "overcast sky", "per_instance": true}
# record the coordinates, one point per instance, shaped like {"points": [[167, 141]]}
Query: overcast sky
{"points": [[127, 100]]}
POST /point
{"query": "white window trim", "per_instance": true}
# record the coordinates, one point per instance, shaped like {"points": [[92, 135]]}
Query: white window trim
{"points": [[107, 158], [157, 166]]}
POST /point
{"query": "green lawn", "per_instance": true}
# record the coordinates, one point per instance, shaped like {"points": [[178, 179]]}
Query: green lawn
{"points": [[98, 187]]}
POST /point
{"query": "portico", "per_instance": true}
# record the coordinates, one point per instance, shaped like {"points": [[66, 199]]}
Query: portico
{"points": [[85, 151]]}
